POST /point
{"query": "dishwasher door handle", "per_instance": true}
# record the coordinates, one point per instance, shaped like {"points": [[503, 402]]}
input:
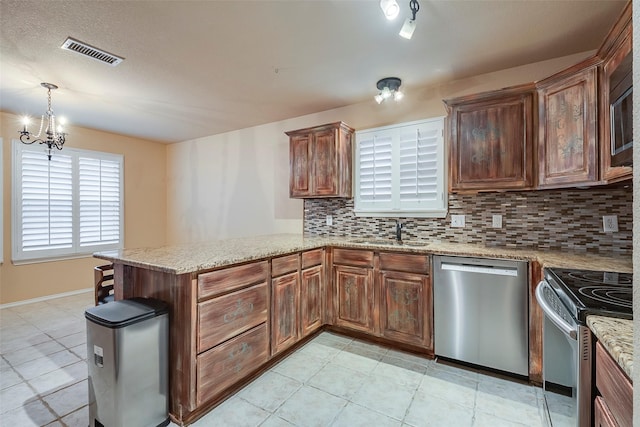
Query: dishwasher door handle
{"points": [[480, 269]]}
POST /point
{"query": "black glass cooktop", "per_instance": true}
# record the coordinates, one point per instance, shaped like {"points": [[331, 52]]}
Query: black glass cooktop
{"points": [[587, 292]]}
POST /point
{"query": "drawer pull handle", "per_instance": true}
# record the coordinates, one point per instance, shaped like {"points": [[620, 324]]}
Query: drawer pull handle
{"points": [[243, 308]]}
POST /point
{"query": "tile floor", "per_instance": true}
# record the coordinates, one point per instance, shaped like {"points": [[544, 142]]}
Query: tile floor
{"points": [[330, 381]]}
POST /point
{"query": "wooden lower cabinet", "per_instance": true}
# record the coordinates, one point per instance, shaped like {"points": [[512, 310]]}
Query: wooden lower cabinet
{"points": [[311, 301], [354, 298], [602, 416], [406, 308], [226, 316], [231, 361], [284, 326], [615, 389]]}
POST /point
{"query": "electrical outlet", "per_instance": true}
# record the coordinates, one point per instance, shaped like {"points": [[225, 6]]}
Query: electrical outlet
{"points": [[329, 219], [497, 221], [610, 223], [457, 220]]}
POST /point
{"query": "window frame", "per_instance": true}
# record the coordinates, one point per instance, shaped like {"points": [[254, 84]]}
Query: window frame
{"points": [[21, 256], [395, 208]]}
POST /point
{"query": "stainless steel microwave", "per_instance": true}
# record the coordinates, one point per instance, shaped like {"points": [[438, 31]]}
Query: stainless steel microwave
{"points": [[621, 117]]}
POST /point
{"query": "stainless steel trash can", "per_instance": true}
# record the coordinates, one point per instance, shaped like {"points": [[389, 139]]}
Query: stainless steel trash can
{"points": [[127, 356]]}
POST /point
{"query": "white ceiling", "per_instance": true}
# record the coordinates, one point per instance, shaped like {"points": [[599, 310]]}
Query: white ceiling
{"points": [[198, 68]]}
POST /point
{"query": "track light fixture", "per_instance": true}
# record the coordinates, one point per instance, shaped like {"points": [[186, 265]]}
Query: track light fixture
{"points": [[410, 24], [390, 9], [389, 87]]}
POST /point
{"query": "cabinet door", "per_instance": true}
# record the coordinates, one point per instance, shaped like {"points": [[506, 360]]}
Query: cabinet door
{"points": [[311, 301], [354, 298], [405, 312], [300, 166], [324, 175], [602, 416], [568, 133], [284, 325], [491, 142]]}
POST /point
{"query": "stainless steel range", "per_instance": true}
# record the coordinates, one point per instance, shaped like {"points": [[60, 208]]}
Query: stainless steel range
{"points": [[567, 297]]}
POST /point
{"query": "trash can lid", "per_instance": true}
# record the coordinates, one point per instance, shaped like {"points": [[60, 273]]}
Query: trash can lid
{"points": [[118, 314]]}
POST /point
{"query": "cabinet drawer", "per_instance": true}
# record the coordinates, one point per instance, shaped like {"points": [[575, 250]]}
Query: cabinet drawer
{"points": [[353, 257], [614, 386], [229, 315], [228, 279], [602, 415], [228, 363], [409, 263], [312, 258], [284, 265]]}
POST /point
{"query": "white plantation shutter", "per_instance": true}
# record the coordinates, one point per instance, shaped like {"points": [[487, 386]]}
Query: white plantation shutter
{"points": [[412, 173], [374, 173], [99, 201], [69, 206]]}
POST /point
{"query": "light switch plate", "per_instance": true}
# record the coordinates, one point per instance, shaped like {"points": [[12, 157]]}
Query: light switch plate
{"points": [[457, 220], [329, 220], [497, 221], [610, 223]]}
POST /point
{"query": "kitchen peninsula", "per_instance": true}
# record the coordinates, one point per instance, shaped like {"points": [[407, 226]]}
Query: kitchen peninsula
{"points": [[238, 305]]}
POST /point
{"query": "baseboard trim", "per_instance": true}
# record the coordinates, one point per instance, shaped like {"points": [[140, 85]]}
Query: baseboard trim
{"points": [[45, 298]]}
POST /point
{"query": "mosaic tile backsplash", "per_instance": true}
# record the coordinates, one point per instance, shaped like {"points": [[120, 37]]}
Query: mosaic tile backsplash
{"points": [[553, 220]]}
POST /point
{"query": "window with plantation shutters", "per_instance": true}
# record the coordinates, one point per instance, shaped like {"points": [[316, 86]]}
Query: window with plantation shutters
{"points": [[68, 206], [400, 170]]}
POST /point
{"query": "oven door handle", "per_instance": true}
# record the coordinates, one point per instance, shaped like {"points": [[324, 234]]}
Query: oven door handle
{"points": [[557, 320]]}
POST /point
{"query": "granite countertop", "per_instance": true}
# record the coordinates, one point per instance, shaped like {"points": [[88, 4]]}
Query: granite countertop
{"points": [[194, 257], [616, 335]]}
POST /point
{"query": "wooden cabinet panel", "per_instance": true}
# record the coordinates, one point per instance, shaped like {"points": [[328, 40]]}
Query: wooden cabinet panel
{"points": [[311, 300], [226, 316], [602, 416], [312, 258], [231, 278], [284, 324], [491, 140], [354, 257], [228, 363], [320, 161], [409, 263], [614, 386], [284, 265], [354, 298], [300, 165], [567, 149], [406, 308]]}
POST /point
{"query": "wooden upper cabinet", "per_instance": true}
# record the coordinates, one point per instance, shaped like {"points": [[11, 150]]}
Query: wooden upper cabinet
{"points": [[320, 160], [616, 53], [567, 136], [491, 140]]}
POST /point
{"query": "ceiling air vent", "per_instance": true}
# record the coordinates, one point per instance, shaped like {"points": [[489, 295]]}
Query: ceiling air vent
{"points": [[92, 52]]}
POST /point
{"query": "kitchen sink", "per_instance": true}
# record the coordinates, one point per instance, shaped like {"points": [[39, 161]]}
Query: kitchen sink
{"points": [[390, 242]]}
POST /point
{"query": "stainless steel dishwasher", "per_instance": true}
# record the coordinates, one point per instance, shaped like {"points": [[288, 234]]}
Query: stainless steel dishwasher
{"points": [[481, 312]]}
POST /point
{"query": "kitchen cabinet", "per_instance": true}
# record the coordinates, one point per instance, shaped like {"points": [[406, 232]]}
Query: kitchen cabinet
{"points": [[614, 403], [320, 161], [406, 305], [231, 328], [285, 292], [616, 53], [491, 137], [567, 136], [312, 291], [354, 289]]}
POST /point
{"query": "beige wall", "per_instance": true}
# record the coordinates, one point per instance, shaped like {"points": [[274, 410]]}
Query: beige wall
{"points": [[145, 211], [236, 184]]}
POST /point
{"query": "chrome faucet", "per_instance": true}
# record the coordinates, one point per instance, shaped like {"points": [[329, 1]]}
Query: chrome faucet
{"points": [[399, 226]]}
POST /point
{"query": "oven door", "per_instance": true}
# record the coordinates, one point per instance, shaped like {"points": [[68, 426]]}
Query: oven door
{"points": [[566, 362]]}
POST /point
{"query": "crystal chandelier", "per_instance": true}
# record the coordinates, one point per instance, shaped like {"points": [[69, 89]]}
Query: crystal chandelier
{"points": [[55, 136]]}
